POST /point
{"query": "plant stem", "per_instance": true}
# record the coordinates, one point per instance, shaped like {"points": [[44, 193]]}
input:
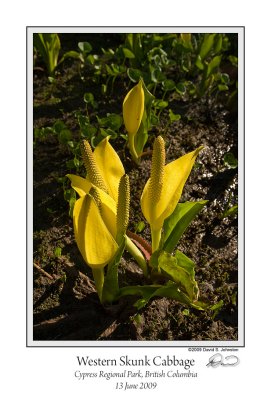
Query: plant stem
{"points": [[98, 275], [131, 140], [138, 256], [155, 236]]}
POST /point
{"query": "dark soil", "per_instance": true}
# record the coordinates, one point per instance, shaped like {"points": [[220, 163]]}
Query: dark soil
{"points": [[66, 306]]}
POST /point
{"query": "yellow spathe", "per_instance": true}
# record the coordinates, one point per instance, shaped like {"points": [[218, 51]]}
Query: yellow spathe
{"points": [[110, 166], [94, 240], [133, 109], [175, 176]]}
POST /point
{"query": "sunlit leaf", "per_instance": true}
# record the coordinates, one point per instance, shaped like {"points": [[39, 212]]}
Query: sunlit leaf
{"points": [[85, 47], [176, 224]]}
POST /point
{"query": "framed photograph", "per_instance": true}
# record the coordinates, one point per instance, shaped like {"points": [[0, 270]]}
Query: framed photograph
{"points": [[135, 166]]}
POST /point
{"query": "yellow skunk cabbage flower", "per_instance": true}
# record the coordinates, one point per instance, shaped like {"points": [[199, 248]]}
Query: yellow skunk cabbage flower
{"points": [[133, 110], [97, 234], [103, 165], [106, 175], [164, 188]]}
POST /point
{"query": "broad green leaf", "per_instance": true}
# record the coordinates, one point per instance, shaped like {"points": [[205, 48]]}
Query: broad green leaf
{"points": [[65, 136], [148, 98], [231, 211], [218, 43], [111, 284], [230, 160], [168, 264], [141, 138], [168, 85], [207, 45], [172, 291], [70, 54], [85, 47], [157, 76], [112, 121], [140, 226], [178, 221], [223, 88], [173, 117], [147, 292], [234, 60], [134, 74], [199, 63], [48, 45], [160, 104], [128, 53], [180, 87], [186, 41], [213, 64], [89, 98], [108, 132], [225, 78], [59, 126], [57, 251], [186, 263]]}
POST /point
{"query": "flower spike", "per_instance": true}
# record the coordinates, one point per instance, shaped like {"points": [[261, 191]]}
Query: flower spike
{"points": [[91, 166], [96, 197], [157, 170], [123, 207]]}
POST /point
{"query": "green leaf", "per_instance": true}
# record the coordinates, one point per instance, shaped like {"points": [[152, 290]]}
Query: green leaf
{"points": [[65, 136], [180, 87], [160, 104], [134, 74], [128, 53], [70, 54], [225, 78], [108, 132], [85, 47], [218, 43], [141, 138], [147, 292], [178, 221], [157, 76], [57, 251], [234, 60], [230, 160], [217, 307], [207, 45], [213, 64], [223, 88], [59, 126], [231, 211], [199, 63], [112, 121], [186, 263], [89, 98], [173, 117], [168, 264], [111, 283], [140, 226], [168, 85]]}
